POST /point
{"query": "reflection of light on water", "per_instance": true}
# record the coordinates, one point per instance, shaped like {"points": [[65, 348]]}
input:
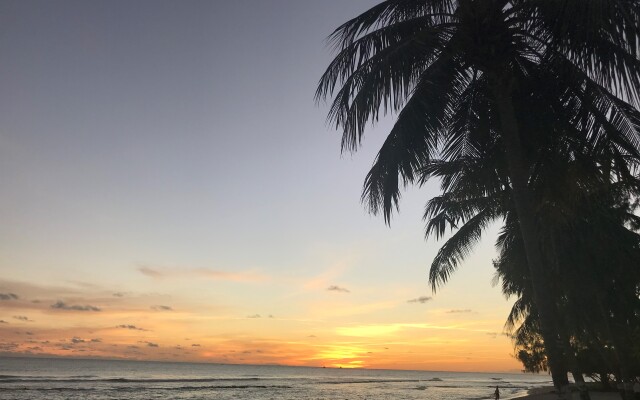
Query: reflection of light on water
{"points": [[201, 380]]}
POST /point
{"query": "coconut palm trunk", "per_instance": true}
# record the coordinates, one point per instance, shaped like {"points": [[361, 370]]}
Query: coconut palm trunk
{"points": [[623, 360], [524, 205], [576, 372]]}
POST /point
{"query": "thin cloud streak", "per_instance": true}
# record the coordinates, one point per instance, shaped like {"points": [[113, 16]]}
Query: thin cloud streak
{"points": [[61, 305], [161, 308], [336, 288], [386, 329], [322, 280], [131, 327], [166, 273], [421, 299]]}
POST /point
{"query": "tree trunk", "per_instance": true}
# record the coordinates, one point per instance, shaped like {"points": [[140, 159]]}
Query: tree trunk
{"points": [[575, 369], [606, 382], [580, 384], [622, 369], [570, 356], [623, 359], [524, 205]]}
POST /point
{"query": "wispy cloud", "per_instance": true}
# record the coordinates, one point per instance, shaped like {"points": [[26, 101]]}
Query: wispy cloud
{"points": [[330, 274], [152, 273], [8, 296], [36, 291], [22, 318], [61, 305], [150, 344], [388, 329], [9, 346], [161, 308], [254, 316], [131, 327], [3, 321], [421, 299], [218, 275], [465, 311], [85, 285], [336, 288], [118, 294], [325, 310]]}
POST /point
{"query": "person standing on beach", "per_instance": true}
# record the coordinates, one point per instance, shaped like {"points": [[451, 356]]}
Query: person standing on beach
{"points": [[497, 393]]}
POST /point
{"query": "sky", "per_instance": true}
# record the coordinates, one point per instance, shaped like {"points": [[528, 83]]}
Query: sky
{"points": [[170, 190]]}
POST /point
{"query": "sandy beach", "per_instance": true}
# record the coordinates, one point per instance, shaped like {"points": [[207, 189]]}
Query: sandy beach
{"points": [[547, 393]]}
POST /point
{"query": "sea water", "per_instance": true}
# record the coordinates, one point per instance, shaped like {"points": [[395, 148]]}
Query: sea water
{"points": [[58, 379]]}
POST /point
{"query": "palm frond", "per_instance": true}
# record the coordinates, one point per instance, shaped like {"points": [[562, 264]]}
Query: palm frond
{"points": [[519, 312], [458, 247], [380, 69], [414, 137], [389, 12], [599, 36], [450, 210]]}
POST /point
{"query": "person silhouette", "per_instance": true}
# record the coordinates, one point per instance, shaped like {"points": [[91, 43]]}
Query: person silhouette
{"points": [[497, 393]]}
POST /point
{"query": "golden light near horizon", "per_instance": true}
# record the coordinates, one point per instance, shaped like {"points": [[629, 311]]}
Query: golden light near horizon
{"points": [[323, 318], [161, 202], [95, 323]]}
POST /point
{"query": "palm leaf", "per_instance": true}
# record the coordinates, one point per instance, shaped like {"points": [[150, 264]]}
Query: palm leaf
{"points": [[458, 247]]}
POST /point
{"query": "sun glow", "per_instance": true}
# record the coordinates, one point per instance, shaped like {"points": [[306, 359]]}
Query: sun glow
{"points": [[343, 356]]}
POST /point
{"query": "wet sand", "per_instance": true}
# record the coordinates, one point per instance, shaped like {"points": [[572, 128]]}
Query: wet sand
{"points": [[547, 393]]}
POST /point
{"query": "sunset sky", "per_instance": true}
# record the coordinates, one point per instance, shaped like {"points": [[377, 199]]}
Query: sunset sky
{"points": [[169, 190]]}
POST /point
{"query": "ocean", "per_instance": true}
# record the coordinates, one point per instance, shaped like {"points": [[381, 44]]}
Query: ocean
{"points": [[58, 379]]}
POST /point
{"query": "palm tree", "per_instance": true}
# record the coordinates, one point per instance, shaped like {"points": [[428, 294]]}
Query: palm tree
{"points": [[598, 280], [422, 58], [583, 214], [469, 210]]}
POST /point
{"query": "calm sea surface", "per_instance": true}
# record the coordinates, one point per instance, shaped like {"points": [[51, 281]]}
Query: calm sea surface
{"points": [[57, 379]]}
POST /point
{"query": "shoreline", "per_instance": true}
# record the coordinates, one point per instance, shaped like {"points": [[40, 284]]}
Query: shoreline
{"points": [[548, 393], [538, 393]]}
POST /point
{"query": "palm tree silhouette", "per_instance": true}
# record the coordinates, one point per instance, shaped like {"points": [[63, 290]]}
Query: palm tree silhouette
{"points": [[459, 72], [597, 250], [588, 228]]}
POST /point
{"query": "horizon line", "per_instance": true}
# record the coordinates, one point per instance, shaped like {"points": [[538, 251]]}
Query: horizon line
{"points": [[96, 358]]}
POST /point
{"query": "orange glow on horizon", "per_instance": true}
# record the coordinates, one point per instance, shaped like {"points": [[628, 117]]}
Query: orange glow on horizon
{"points": [[134, 327]]}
